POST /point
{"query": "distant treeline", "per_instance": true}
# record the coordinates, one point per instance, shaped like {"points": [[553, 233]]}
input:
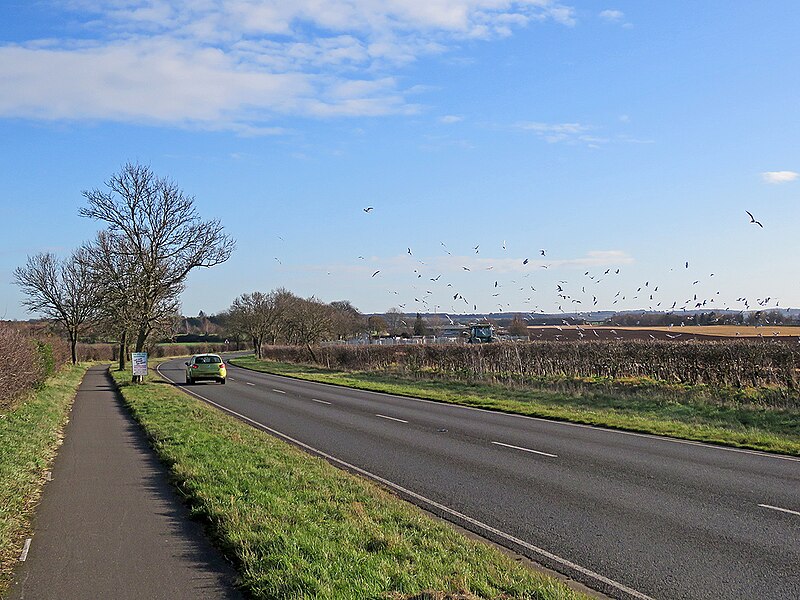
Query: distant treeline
{"points": [[648, 319]]}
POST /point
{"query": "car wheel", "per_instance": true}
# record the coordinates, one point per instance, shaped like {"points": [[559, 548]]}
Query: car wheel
{"points": [[222, 381], [189, 381]]}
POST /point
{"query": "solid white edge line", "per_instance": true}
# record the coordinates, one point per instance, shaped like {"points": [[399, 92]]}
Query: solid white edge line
{"points": [[651, 436], [526, 449], [320, 401], [535, 549], [391, 418], [24, 556], [786, 510]]}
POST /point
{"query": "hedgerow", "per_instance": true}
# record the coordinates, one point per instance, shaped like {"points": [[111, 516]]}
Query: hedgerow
{"points": [[734, 363]]}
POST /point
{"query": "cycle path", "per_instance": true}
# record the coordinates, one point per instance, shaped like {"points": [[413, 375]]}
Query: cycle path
{"points": [[109, 524]]}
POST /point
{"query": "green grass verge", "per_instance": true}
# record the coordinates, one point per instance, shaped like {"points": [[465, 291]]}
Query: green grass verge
{"points": [[29, 436], [297, 527], [647, 408]]}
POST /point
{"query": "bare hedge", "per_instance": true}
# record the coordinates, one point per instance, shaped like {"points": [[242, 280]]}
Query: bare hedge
{"points": [[734, 363], [27, 361], [111, 351], [163, 350]]}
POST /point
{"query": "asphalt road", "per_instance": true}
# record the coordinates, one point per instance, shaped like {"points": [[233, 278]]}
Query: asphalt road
{"points": [[633, 516]]}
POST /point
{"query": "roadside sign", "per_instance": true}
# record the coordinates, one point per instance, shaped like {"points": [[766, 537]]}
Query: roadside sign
{"points": [[139, 363]]}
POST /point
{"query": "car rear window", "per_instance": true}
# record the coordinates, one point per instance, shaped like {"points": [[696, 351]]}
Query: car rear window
{"points": [[207, 360]]}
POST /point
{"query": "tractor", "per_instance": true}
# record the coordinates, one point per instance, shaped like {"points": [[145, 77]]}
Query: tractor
{"points": [[481, 333]]}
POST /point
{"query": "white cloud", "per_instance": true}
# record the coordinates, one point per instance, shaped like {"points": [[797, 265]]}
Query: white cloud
{"points": [[237, 64], [612, 16], [576, 134], [563, 15], [559, 132], [448, 119], [779, 176]]}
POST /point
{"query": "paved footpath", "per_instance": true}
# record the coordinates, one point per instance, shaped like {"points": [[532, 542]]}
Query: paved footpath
{"points": [[109, 525]]}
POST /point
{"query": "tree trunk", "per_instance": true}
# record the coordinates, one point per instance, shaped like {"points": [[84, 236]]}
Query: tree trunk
{"points": [[123, 343], [141, 338], [73, 343], [313, 356]]}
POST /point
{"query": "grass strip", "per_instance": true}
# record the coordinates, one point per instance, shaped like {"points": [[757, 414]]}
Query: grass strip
{"points": [[29, 437], [297, 527], [646, 408]]}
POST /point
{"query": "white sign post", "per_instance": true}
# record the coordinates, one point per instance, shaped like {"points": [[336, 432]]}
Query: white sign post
{"points": [[139, 365]]}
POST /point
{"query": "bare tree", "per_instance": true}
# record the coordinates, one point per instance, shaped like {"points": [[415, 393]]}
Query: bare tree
{"points": [[377, 325], [285, 302], [310, 321], [395, 320], [347, 320], [518, 326], [435, 324], [256, 315], [62, 290], [156, 238], [114, 273]]}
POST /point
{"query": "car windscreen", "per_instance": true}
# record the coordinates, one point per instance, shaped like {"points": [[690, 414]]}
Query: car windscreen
{"points": [[207, 360]]}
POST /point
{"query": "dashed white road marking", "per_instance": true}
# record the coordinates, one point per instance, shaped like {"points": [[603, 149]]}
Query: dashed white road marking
{"points": [[320, 401], [391, 418], [248, 383], [24, 556], [279, 391], [526, 449], [786, 510]]}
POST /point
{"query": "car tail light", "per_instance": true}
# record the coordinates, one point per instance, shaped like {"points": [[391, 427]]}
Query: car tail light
{"points": [[194, 366], [221, 365]]}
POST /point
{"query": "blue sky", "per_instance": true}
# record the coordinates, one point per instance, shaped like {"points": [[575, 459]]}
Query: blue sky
{"points": [[622, 136]]}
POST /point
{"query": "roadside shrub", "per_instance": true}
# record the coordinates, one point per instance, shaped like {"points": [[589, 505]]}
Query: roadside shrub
{"points": [[47, 362], [27, 362]]}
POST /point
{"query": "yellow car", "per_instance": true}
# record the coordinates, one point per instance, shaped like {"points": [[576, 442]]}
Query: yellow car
{"points": [[205, 366]]}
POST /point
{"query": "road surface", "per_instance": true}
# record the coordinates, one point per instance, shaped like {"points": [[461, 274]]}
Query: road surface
{"points": [[631, 515]]}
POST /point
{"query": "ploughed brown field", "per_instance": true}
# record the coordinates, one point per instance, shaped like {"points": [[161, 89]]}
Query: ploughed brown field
{"points": [[689, 332]]}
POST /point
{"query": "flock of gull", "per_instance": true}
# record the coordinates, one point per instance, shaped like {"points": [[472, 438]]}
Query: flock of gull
{"points": [[574, 297], [568, 299]]}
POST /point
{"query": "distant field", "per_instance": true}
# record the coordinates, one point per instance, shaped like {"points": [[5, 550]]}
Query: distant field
{"points": [[726, 331]]}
